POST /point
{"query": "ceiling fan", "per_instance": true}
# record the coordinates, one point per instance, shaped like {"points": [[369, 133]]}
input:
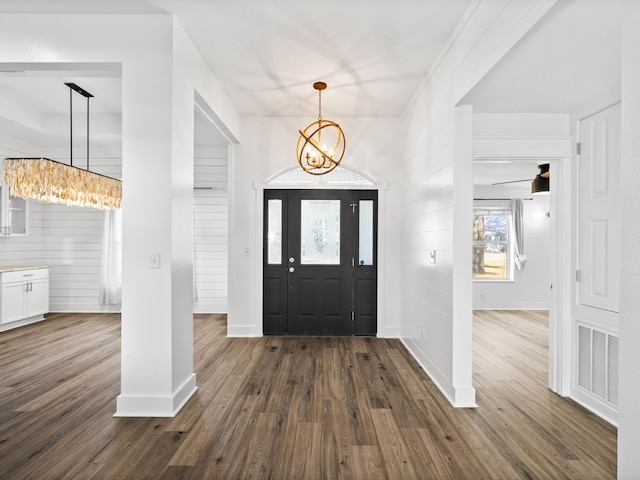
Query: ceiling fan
{"points": [[539, 185]]}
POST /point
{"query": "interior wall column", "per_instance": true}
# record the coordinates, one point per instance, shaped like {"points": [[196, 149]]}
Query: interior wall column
{"points": [[157, 320], [629, 375], [462, 317]]}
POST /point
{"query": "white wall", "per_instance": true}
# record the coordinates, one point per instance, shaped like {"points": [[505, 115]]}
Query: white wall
{"points": [[436, 214], [66, 239], [69, 239], [537, 132], [529, 289], [161, 75], [269, 148], [71, 242], [521, 125]]}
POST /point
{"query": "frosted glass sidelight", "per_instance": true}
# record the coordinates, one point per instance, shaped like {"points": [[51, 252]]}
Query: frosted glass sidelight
{"points": [[274, 232], [320, 232], [365, 233]]}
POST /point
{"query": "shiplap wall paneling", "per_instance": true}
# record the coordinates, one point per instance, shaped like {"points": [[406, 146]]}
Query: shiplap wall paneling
{"points": [[211, 232], [72, 247]]}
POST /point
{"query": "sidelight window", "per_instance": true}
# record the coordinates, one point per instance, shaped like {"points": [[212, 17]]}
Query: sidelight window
{"points": [[365, 233], [274, 231]]}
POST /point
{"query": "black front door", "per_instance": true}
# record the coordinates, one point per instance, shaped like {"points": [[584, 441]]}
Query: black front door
{"points": [[320, 262]]}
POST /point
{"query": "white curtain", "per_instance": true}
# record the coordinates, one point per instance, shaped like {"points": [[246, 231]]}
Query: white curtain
{"points": [[518, 231], [111, 273]]}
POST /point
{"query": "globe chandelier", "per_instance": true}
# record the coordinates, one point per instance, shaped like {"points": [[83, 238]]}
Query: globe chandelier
{"points": [[321, 144]]}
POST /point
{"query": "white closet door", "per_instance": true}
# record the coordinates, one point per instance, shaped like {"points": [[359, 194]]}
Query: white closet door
{"points": [[599, 211]]}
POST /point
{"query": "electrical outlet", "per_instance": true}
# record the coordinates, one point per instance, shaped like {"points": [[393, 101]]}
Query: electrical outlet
{"points": [[421, 331]]}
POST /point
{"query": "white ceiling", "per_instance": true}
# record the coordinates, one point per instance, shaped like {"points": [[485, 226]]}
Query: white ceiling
{"points": [[572, 58], [372, 53]]}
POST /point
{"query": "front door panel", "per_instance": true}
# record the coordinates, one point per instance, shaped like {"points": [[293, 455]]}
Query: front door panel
{"points": [[316, 247], [320, 275]]}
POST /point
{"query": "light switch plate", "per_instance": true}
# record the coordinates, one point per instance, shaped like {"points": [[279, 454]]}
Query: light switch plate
{"points": [[432, 256], [154, 260]]}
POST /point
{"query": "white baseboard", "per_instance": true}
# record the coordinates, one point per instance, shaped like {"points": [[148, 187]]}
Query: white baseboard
{"points": [[20, 323], [388, 332], [459, 397], [156, 405], [594, 405], [244, 331], [83, 308]]}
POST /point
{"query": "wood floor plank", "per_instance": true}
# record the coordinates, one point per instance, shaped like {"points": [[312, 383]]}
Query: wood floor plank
{"points": [[293, 408], [335, 441], [368, 463], [363, 430], [191, 449], [395, 452]]}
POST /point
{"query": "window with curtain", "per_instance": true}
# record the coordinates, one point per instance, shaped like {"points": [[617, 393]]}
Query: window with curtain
{"points": [[492, 241], [111, 271]]}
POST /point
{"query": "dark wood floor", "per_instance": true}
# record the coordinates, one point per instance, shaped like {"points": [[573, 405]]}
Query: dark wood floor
{"points": [[284, 408]]}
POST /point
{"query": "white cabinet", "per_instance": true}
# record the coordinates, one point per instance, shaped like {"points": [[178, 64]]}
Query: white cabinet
{"points": [[14, 214], [24, 294]]}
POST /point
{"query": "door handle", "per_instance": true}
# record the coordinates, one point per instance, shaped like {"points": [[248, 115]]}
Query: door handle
{"points": [[291, 269]]}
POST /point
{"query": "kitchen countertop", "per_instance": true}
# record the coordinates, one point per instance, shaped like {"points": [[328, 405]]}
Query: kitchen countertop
{"points": [[16, 268]]}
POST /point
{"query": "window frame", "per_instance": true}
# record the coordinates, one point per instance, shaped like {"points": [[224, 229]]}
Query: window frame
{"points": [[496, 208]]}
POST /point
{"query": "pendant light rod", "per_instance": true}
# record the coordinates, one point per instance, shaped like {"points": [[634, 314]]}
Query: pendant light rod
{"points": [[319, 86], [70, 126], [87, 95], [87, 133]]}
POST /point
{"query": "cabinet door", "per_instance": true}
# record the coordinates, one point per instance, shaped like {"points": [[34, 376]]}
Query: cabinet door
{"points": [[14, 213], [18, 216], [14, 302], [38, 298]]}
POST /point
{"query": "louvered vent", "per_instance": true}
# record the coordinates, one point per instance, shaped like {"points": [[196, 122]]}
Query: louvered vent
{"points": [[612, 369], [598, 363]]}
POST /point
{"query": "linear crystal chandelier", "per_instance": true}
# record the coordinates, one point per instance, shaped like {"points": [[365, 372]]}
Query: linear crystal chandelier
{"points": [[314, 156], [49, 181]]}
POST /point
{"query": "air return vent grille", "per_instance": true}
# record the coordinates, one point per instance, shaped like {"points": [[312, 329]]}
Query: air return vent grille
{"points": [[598, 363]]}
